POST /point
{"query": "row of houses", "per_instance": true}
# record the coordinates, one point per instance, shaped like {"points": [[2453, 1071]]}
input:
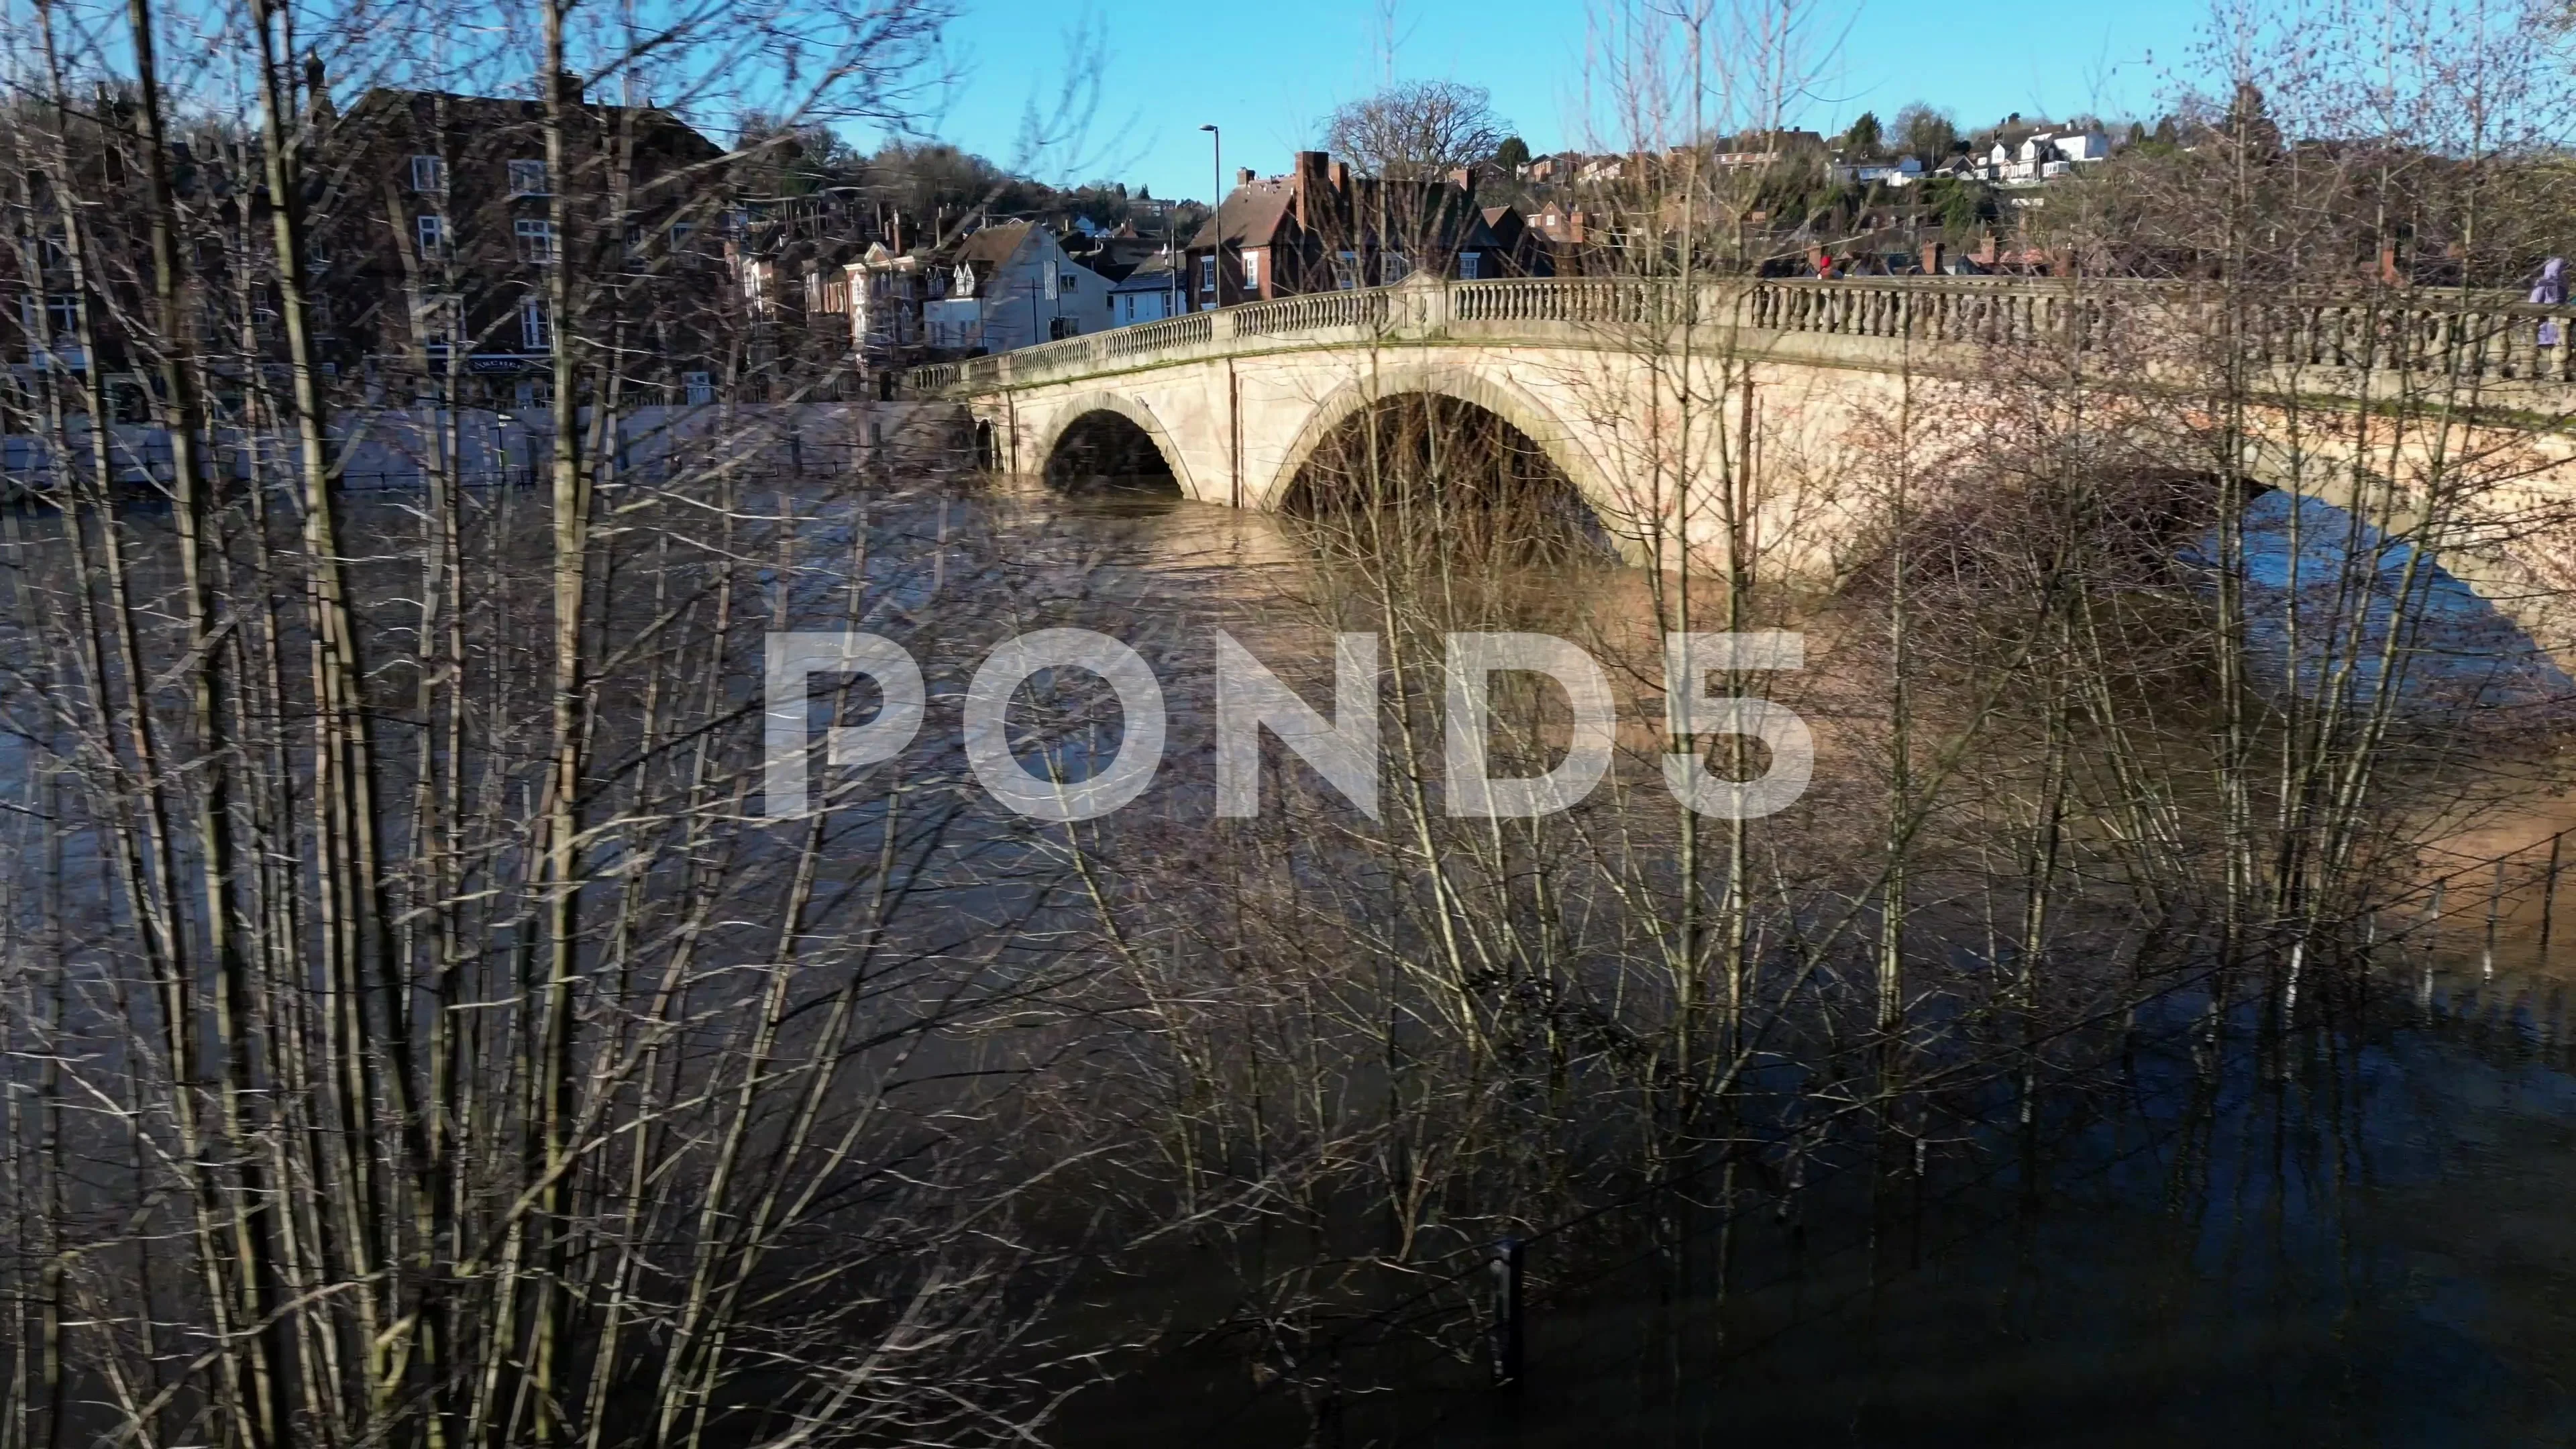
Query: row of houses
{"points": [[1009, 284], [436, 228], [2040, 157]]}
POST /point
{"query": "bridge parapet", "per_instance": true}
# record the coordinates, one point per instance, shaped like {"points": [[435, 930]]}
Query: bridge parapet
{"points": [[2467, 337]]}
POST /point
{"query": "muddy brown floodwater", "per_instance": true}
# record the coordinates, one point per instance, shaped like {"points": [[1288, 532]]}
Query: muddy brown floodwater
{"points": [[2346, 1218]]}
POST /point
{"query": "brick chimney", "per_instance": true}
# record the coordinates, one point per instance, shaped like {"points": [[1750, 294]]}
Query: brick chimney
{"points": [[1243, 176], [1307, 178], [1933, 254]]}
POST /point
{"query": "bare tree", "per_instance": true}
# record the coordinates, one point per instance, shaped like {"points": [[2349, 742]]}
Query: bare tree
{"points": [[1925, 133], [1418, 130]]}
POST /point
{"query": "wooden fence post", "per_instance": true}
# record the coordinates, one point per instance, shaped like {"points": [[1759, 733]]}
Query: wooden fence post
{"points": [[2549, 893]]}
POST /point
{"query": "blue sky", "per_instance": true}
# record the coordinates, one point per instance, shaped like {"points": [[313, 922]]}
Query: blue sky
{"points": [[1267, 74]]}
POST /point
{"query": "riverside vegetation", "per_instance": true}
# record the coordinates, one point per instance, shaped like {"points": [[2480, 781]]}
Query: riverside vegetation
{"points": [[414, 1033]]}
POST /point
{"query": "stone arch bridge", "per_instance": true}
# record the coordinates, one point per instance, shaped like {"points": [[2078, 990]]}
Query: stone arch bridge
{"points": [[1647, 396]]}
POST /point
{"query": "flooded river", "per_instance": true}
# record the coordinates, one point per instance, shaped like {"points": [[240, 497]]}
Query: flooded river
{"points": [[2335, 1215], [2140, 1029]]}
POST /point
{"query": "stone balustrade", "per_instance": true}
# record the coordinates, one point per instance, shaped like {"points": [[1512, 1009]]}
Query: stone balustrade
{"points": [[2430, 335]]}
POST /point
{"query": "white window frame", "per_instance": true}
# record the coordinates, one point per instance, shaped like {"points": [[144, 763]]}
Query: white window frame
{"points": [[1207, 274], [434, 318], [527, 176], [1252, 273], [1467, 262], [429, 230], [47, 344], [536, 330], [429, 175], [1346, 271], [539, 230]]}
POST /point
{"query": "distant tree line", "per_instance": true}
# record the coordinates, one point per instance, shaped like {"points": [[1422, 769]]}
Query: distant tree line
{"points": [[931, 179]]}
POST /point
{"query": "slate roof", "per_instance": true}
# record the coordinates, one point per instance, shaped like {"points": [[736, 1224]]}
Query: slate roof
{"points": [[993, 245], [1154, 275], [1251, 216]]}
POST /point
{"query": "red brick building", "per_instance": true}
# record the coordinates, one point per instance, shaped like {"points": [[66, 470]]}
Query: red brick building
{"points": [[1320, 228], [444, 226]]}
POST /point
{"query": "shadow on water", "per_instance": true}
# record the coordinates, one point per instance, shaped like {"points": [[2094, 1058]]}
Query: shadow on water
{"points": [[2354, 1233]]}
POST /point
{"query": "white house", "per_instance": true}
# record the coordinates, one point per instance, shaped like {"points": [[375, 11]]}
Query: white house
{"points": [[1147, 294], [883, 296], [1012, 286], [2046, 155], [2082, 146], [1904, 171]]}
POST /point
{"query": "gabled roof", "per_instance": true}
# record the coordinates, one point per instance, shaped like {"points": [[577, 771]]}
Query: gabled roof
{"points": [[1251, 217], [1113, 256], [993, 245], [1154, 275]]}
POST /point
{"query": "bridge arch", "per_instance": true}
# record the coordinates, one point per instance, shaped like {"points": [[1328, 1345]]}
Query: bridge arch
{"points": [[1073, 419], [1504, 399]]}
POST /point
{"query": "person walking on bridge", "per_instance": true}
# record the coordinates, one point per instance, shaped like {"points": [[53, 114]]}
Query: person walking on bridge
{"points": [[2551, 292]]}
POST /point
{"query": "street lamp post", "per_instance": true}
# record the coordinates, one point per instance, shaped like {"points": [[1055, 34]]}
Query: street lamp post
{"points": [[1216, 217]]}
